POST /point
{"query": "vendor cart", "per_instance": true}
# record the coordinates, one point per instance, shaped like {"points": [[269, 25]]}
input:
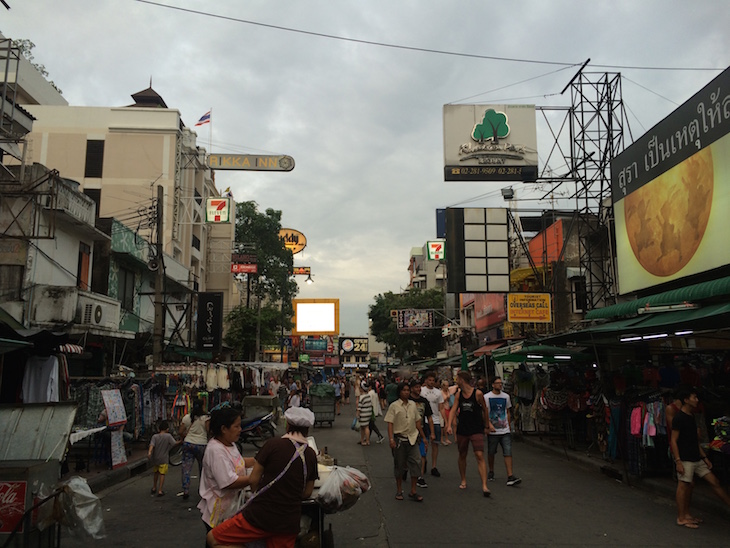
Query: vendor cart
{"points": [[323, 408]]}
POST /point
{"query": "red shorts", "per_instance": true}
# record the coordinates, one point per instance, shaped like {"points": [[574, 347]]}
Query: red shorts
{"points": [[477, 442], [237, 530]]}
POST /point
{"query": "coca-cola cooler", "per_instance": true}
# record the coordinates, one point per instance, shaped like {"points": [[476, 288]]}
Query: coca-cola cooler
{"points": [[33, 441]]}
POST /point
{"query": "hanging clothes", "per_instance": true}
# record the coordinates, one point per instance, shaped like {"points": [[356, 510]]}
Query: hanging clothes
{"points": [[40, 380]]}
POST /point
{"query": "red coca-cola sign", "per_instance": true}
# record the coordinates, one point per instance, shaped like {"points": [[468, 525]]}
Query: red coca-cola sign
{"points": [[12, 505]]}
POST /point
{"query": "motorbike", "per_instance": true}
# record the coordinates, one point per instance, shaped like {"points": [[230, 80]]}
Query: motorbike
{"points": [[257, 430]]}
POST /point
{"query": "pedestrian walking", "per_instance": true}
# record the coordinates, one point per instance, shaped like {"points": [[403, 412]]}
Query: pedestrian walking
{"points": [[377, 412], [404, 428], [499, 405], [690, 459], [470, 413], [338, 393], [425, 416], [194, 433], [435, 398], [363, 413], [159, 455], [448, 394]]}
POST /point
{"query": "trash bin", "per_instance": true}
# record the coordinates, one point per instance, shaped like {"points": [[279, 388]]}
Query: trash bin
{"points": [[33, 441]]}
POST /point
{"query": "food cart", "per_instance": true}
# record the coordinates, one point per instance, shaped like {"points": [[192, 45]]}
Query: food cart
{"points": [[33, 440], [323, 403]]}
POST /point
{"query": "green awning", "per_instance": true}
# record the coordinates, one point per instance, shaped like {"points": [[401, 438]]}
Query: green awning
{"points": [[691, 293], [190, 352], [544, 354], [8, 345]]}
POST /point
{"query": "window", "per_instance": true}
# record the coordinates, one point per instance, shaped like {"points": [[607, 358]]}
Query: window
{"points": [[94, 158], [82, 272], [94, 194], [11, 282], [126, 289], [578, 294]]}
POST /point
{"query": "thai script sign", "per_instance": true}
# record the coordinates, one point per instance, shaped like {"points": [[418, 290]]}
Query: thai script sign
{"points": [[529, 307]]}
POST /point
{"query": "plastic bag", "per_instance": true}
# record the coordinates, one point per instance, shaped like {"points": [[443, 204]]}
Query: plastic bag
{"points": [[80, 509], [342, 489], [355, 424]]}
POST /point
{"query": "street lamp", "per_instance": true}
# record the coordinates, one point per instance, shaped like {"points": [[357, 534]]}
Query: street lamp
{"points": [[309, 280]]}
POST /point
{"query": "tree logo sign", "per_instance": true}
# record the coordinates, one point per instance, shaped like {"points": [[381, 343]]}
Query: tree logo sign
{"points": [[490, 143]]}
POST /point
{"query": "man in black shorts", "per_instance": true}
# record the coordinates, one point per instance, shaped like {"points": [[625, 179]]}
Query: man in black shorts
{"points": [[690, 459]]}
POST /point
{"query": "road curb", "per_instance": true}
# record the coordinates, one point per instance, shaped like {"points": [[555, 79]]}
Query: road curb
{"points": [[107, 479]]}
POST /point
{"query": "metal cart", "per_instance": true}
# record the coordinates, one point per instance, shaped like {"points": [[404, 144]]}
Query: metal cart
{"points": [[323, 408]]}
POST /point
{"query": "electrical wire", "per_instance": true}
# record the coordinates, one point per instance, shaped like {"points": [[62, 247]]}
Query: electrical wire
{"points": [[407, 48]]}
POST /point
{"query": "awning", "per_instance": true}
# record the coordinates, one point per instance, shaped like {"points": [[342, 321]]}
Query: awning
{"points": [[8, 345], [691, 293], [544, 354], [487, 349]]}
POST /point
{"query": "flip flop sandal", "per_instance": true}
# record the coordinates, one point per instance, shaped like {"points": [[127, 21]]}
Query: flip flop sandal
{"points": [[689, 525], [415, 497], [153, 491], [399, 496], [462, 486], [487, 494], [161, 494]]}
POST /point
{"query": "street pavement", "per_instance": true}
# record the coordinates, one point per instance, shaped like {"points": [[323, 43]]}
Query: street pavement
{"points": [[557, 504]]}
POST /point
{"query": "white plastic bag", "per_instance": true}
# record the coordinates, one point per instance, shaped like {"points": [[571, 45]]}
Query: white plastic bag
{"points": [[81, 509], [342, 489]]}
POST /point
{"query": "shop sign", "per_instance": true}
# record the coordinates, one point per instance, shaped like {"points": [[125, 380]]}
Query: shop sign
{"points": [[217, 210], [353, 345], [12, 505], [210, 321], [244, 268], [490, 143], [302, 271], [294, 240], [435, 251], [529, 307], [251, 162]]}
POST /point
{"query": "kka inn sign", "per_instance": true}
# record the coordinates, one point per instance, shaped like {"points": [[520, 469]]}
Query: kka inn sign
{"points": [[490, 143]]}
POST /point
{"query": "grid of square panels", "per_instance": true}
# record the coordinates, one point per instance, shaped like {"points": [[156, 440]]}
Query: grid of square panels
{"points": [[486, 250]]}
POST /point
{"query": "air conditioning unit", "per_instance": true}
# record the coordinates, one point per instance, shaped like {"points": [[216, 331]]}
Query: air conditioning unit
{"points": [[99, 314]]}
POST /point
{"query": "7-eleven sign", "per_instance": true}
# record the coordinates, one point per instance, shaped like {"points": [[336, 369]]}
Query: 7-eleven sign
{"points": [[217, 210], [436, 251]]}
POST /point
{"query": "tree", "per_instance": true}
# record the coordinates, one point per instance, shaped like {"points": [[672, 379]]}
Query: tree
{"points": [[243, 324], [274, 261], [493, 127], [384, 328], [25, 47]]}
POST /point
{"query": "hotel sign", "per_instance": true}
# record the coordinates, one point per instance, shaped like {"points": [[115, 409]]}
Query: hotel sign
{"points": [[250, 162]]}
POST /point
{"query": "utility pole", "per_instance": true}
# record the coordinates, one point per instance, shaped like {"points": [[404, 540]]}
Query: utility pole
{"points": [[159, 328]]}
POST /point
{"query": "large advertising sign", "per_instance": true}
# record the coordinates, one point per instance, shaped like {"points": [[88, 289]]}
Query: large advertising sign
{"points": [[316, 316], [414, 321], [210, 321], [350, 346], [489, 309], [490, 143], [671, 193], [528, 308], [477, 250]]}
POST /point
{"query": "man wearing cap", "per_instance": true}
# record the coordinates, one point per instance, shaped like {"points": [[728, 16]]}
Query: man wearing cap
{"points": [[283, 475]]}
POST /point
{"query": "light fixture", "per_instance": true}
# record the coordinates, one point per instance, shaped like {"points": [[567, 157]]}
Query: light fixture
{"points": [[657, 336], [508, 193], [630, 338], [309, 280], [680, 333], [534, 356], [648, 309], [561, 357]]}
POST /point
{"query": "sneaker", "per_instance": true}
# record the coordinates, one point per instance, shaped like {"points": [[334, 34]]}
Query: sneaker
{"points": [[513, 480], [490, 476], [421, 482], [435, 472]]}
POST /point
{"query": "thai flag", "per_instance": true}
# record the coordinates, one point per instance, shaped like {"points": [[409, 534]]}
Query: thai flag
{"points": [[204, 119]]}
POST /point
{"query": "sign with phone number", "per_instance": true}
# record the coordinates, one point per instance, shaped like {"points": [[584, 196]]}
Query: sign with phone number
{"points": [[491, 173]]}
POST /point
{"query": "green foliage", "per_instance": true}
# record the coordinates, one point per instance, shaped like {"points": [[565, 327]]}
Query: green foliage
{"points": [[384, 328], [275, 261], [25, 47], [242, 325], [493, 127]]}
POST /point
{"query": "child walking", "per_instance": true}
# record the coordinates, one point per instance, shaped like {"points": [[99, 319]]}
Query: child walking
{"points": [[159, 455]]}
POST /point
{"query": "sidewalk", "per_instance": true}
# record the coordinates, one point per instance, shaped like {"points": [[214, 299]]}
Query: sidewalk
{"points": [[702, 498], [100, 477]]}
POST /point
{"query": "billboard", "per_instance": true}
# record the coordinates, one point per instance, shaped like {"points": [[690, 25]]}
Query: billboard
{"points": [[316, 316], [477, 250], [528, 308], [489, 309], [294, 240], [490, 143], [414, 321], [671, 193]]}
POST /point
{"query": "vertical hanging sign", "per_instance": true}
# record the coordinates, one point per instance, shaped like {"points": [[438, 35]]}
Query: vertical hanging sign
{"points": [[210, 322]]}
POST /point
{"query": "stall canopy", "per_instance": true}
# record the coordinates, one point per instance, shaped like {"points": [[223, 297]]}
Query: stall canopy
{"points": [[487, 349], [543, 354]]}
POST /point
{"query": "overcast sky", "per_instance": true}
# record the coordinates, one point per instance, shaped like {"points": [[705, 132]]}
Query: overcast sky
{"points": [[364, 121]]}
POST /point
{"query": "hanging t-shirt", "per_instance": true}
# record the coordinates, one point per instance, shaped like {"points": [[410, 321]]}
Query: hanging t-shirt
{"points": [[211, 378], [223, 378], [40, 380], [497, 405]]}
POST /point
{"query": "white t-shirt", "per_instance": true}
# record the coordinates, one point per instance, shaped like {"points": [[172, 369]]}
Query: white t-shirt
{"points": [[497, 405], [221, 467], [294, 401], [434, 397], [196, 432]]}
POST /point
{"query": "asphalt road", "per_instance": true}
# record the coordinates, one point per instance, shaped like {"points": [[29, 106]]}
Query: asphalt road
{"points": [[557, 504]]}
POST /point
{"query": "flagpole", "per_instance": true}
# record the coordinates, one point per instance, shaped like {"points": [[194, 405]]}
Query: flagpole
{"points": [[210, 132]]}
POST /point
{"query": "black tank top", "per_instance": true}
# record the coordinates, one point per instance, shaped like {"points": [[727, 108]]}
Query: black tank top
{"points": [[471, 417]]}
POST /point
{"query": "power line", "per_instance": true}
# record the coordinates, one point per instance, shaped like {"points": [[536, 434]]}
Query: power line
{"points": [[402, 47]]}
